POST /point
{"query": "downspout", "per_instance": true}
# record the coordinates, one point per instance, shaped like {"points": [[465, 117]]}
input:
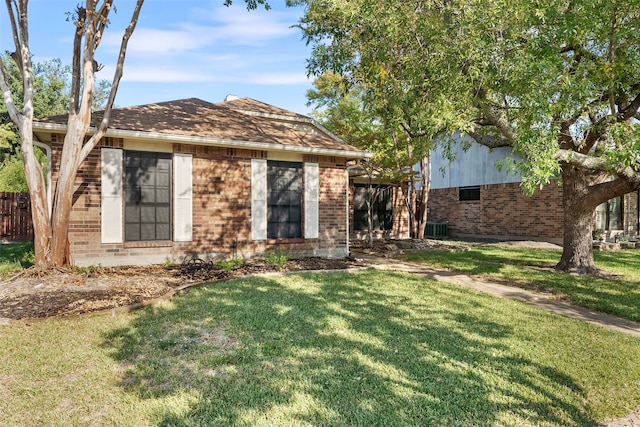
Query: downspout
{"points": [[347, 205], [47, 151]]}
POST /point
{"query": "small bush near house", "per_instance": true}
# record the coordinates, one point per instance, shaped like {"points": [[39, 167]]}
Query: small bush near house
{"points": [[12, 177], [228, 265], [276, 258]]}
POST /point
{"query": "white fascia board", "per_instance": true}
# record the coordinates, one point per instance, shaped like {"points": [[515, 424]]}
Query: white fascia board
{"points": [[220, 142]]}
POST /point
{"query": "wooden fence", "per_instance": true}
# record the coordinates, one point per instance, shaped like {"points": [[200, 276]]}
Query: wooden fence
{"points": [[15, 217]]}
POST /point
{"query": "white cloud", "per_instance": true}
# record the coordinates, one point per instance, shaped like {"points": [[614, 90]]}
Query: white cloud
{"points": [[154, 41], [232, 26], [158, 74], [253, 28], [219, 44], [134, 72], [277, 78]]}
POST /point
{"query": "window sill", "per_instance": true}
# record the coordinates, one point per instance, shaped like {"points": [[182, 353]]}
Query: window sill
{"points": [[292, 240], [149, 244]]}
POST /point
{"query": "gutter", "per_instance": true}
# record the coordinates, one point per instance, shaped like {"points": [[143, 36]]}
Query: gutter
{"points": [[218, 142]]}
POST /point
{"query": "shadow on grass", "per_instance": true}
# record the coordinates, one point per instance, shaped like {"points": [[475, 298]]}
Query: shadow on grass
{"points": [[487, 260], [533, 269], [338, 349]]}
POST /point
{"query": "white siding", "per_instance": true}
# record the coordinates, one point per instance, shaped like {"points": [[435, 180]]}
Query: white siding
{"points": [[111, 195], [258, 199], [476, 166], [183, 197], [311, 188]]}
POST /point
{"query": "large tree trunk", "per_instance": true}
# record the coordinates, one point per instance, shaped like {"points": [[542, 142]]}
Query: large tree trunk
{"points": [[65, 188], [37, 194], [423, 196], [582, 192], [577, 250], [578, 208]]}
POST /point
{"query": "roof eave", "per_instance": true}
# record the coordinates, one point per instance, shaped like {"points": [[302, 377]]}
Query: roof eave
{"points": [[218, 142]]}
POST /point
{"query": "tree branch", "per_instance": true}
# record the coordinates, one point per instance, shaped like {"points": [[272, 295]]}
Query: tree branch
{"points": [[600, 127], [102, 129], [489, 140], [501, 123], [4, 85], [630, 110], [494, 117], [14, 31], [74, 96], [102, 19], [412, 134], [597, 164]]}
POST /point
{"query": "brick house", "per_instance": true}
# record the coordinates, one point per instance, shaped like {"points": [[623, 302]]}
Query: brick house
{"points": [[480, 201], [183, 177]]}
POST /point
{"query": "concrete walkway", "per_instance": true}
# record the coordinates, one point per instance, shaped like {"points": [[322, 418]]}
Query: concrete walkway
{"points": [[542, 301]]}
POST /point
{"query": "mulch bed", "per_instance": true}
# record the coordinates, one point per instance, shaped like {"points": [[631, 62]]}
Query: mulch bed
{"points": [[63, 292], [31, 294]]}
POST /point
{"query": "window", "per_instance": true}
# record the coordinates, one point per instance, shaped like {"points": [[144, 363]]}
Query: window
{"points": [[469, 193], [609, 215], [284, 200], [147, 196], [382, 208]]}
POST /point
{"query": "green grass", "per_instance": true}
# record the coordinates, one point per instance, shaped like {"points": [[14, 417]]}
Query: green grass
{"points": [[15, 256], [618, 294], [369, 348]]}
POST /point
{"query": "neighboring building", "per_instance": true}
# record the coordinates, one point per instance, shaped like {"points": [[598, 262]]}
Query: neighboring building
{"points": [[480, 201], [190, 177]]}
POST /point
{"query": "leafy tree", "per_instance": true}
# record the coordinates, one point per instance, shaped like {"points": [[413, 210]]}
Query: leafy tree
{"points": [[51, 88], [341, 110], [90, 21], [557, 81], [342, 107], [12, 175]]}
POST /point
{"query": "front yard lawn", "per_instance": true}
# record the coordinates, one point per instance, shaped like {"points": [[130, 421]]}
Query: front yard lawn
{"points": [[618, 293], [367, 348], [15, 256]]}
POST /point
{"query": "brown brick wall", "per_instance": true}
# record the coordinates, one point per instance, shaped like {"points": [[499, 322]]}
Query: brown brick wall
{"points": [[221, 211], [503, 211]]}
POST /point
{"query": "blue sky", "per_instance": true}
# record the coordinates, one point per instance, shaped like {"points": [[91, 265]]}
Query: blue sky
{"points": [[186, 48]]}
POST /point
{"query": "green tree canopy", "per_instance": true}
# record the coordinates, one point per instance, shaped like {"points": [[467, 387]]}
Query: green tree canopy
{"points": [[557, 81], [341, 106], [51, 87]]}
